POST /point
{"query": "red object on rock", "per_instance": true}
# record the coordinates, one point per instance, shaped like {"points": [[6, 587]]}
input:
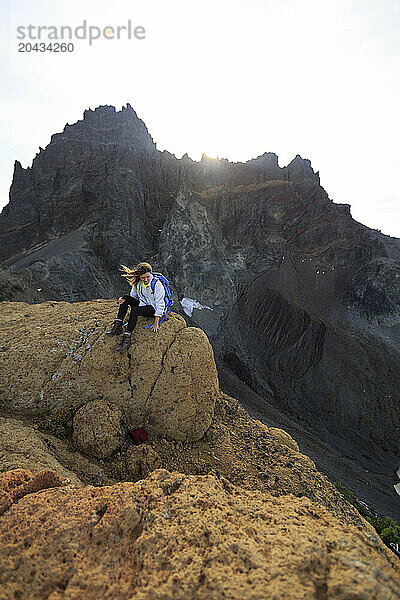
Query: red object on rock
{"points": [[139, 435]]}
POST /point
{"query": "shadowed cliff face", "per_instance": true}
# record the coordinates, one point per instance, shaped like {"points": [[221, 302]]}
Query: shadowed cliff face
{"points": [[283, 338], [374, 291], [305, 300], [321, 372]]}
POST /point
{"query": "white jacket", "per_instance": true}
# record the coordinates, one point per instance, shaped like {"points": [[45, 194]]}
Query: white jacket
{"points": [[145, 296]]}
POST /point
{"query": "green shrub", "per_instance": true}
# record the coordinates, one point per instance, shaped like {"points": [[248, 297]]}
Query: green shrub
{"points": [[387, 529]]}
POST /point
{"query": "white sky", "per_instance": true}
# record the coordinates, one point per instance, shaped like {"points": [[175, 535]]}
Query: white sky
{"points": [[232, 78]]}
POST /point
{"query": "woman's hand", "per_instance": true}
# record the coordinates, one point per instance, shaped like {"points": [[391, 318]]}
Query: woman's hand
{"points": [[155, 327], [121, 300]]}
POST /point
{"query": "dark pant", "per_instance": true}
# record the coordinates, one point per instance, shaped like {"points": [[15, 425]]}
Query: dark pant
{"points": [[136, 310]]}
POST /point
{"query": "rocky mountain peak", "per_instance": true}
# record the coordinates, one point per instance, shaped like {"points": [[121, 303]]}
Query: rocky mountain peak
{"points": [[300, 169], [17, 167], [105, 128], [268, 157]]}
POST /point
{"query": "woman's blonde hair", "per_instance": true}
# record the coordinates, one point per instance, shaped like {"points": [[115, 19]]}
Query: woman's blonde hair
{"points": [[133, 275]]}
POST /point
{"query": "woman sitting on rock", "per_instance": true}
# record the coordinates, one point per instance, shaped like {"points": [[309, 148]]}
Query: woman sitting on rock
{"points": [[142, 300]]}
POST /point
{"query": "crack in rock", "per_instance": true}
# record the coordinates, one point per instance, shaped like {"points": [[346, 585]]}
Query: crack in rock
{"points": [[161, 369]]}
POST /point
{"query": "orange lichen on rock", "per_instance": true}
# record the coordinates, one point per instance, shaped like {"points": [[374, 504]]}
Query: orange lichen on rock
{"points": [[16, 484], [13, 479], [174, 536]]}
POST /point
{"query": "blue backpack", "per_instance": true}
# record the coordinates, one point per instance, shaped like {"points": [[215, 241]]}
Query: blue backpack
{"points": [[168, 294]]}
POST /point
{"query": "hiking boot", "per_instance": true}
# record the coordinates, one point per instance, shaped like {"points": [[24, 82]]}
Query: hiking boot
{"points": [[125, 343], [116, 328]]}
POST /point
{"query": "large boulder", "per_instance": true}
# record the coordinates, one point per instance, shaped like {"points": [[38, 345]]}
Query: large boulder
{"points": [[57, 359], [181, 403]]}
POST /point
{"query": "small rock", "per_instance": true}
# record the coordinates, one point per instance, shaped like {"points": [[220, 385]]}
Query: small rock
{"points": [[142, 460], [97, 428]]}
